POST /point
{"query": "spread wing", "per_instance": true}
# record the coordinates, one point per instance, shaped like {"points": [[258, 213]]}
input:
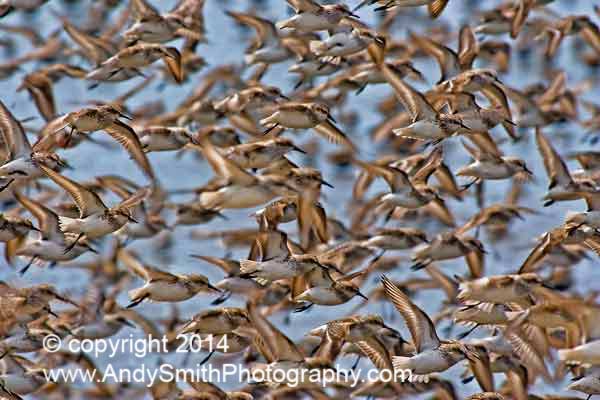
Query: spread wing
{"points": [[279, 345], [141, 10], [127, 138], [446, 57], [304, 6], [333, 134], [265, 30], [47, 219], [13, 134], [145, 272], [87, 201], [223, 167], [555, 166], [411, 99], [419, 324]]}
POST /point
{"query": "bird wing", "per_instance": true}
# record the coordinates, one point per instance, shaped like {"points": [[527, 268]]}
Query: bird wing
{"points": [[87, 201], [127, 138], [538, 252], [223, 167], [333, 134], [279, 345], [467, 47], [395, 177], [304, 6], [436, 7], [39, 86], [145, 272], [446, 57], [13, 134], [419, 324], [414, 101], [134, 199], [142, 10], [378, 356], [47, 219], [265, 30], [553, 163]]}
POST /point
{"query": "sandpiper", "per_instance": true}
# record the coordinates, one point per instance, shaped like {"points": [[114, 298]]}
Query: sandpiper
{"points": [[107, 118], [238, 188], [95, 219], [434, 7], [500, 289], [14, 227], [328, 291], [281, 353], [432, 354], [305, 116], [103, 326], [490, 166], [53, 242], [282, 267], [427, 123], [162, 286], [135, 57], [250, 99], [23, 158], [184, 20], [260, 154], [397, 239], [406, 193], [217, 321], [349, 38], [268, 46], [163, 138], [311, 16], [447, 246], [562, 186]]}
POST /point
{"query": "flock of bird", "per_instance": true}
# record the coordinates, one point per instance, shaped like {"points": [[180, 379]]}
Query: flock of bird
{"points": [[523, 330]]}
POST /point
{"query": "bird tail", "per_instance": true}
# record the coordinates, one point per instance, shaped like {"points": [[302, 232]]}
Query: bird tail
{"points": [[248, 267], [316, 47], [401, 363], [249, 59], [282, 24], [567, 354], [69, 224]]}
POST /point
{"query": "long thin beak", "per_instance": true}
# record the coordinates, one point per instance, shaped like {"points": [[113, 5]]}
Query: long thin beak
{"points": [[131, 219], [324, 182], [65, 300], [60, 129], [354, 15], [283, 96], [329, 117], [299, 150], [93, 250], [66, 165], [127, 322], [216, 289], [464, 126], [359, 294], [528, 171], [331, 266], [519, 216], [33, 228]]}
